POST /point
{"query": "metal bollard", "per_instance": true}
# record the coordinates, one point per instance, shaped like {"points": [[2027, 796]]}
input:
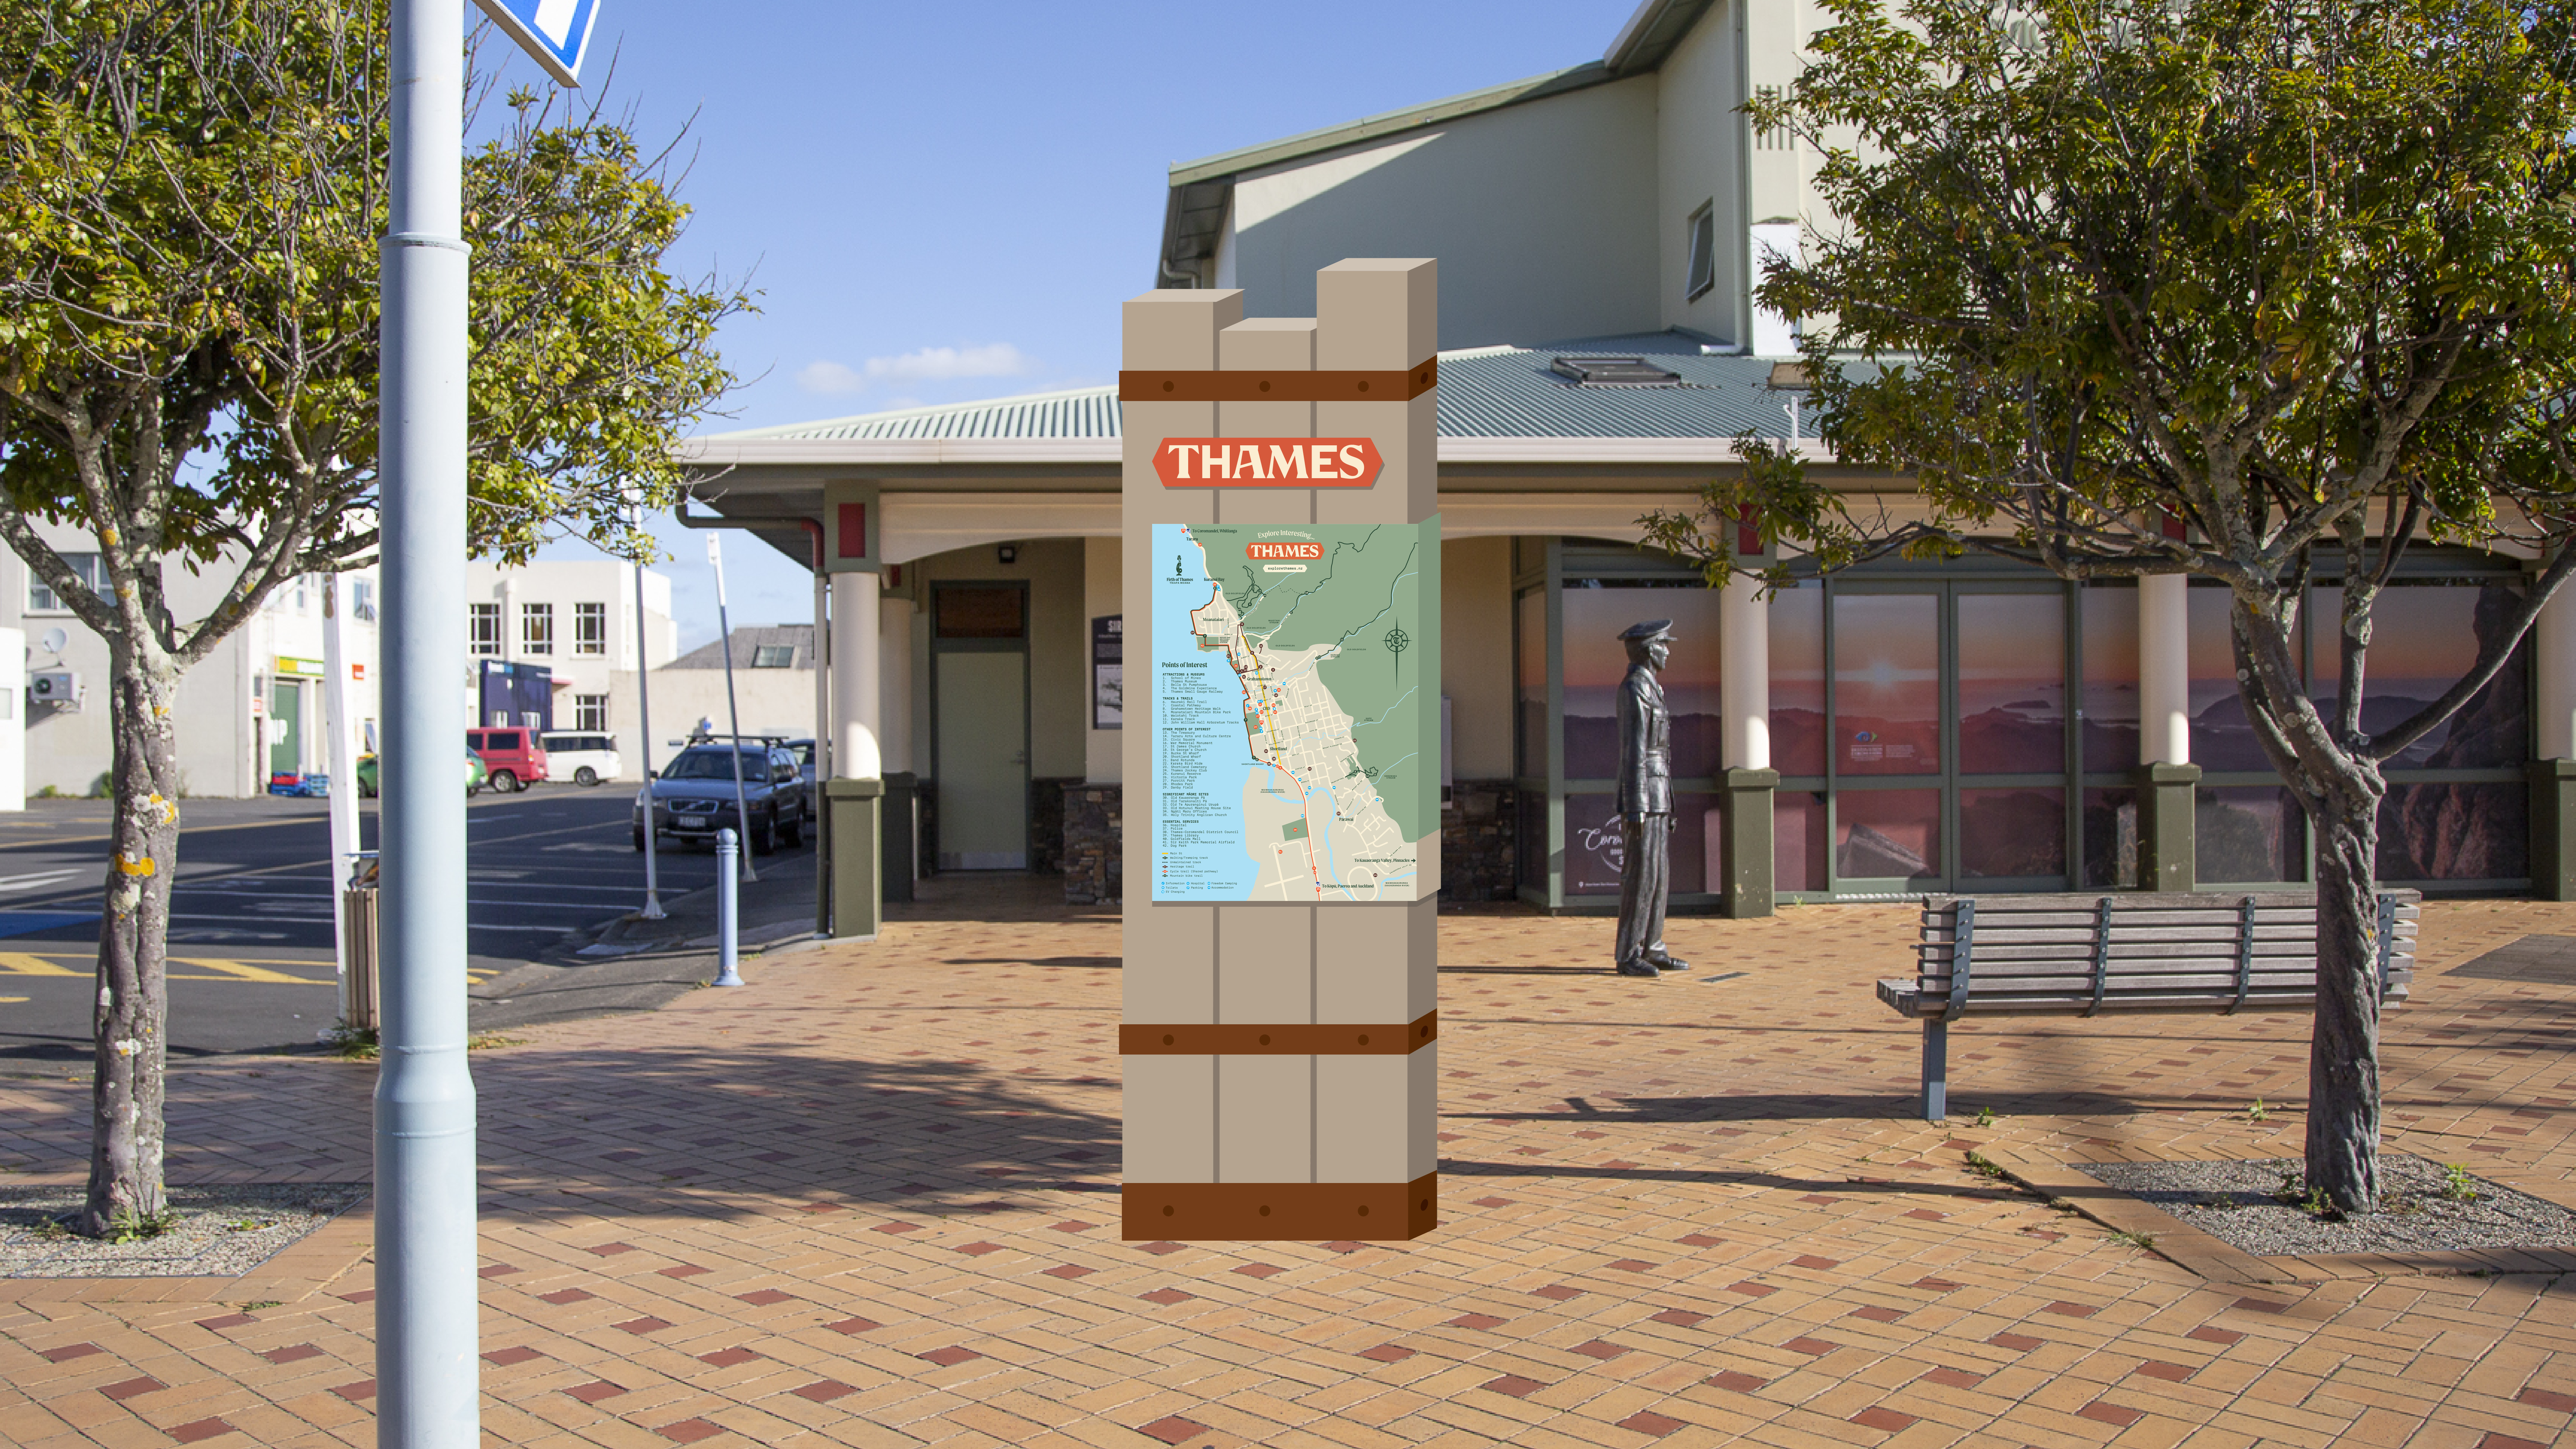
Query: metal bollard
{"points": [[728, 914]]}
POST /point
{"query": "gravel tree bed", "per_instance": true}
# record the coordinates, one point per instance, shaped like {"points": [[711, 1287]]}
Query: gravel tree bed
{"points": [[2238, 1203], [216, 1232]]}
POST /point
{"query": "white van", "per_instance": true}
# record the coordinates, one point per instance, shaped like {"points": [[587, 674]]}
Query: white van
{"points": [[581, 757]]}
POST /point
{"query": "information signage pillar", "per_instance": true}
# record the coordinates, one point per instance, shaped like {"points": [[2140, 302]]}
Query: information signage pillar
{"points": [[1282, 828]]}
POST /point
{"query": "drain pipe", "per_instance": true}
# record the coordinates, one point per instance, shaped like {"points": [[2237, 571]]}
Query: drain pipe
{"points": [[814, 804], [1186, 279]]}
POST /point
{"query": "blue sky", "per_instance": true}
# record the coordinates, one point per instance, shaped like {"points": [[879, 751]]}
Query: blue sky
{"points": [[946, 202]]}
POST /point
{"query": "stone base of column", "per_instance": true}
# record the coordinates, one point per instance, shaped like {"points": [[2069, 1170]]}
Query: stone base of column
{"points": [[2167, 799], [1747, 807], [858, 832], [1378, 1212], [898, 835], [2553, 830]]}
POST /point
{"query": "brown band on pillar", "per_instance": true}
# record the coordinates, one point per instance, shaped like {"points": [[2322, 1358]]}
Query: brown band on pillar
{"points": [[1251, 386], [1308, 1211], [1286, 1039]]}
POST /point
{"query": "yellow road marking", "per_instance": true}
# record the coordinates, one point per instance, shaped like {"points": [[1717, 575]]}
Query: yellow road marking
{"points": [[242, 970], [18, 963], [11, 1000]]}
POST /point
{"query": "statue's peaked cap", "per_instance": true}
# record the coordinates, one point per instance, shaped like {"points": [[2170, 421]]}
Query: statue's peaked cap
{"points": [[1650, 629]]}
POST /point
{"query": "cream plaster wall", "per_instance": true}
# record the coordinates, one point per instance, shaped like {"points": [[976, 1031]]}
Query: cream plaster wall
{"points": [[1542, 216], [1700, 151], [1476, 655]]}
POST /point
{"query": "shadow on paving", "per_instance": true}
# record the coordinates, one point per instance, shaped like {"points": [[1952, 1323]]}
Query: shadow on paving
{"points": [[729, 1132]]}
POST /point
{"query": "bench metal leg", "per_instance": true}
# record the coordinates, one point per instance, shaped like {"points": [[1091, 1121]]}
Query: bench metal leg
{"points": [[1936, 1070]]}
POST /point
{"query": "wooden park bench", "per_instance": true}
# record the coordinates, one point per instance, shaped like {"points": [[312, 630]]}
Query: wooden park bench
{"points": [[2083, 955]]}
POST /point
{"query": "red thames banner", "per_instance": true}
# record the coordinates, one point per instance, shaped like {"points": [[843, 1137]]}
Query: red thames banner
{"points": [[1267, 462]]}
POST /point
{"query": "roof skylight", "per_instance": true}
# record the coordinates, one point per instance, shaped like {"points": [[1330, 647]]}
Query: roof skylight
{"points": [[1614, 372]]}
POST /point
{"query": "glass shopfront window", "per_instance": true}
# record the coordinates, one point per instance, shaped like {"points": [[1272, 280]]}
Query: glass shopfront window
{"points": [[1974, 726], [1798, 683], [1596, 613]]}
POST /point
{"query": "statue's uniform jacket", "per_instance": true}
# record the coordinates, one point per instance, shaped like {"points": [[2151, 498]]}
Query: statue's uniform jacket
{"points": [[1645, 745]]}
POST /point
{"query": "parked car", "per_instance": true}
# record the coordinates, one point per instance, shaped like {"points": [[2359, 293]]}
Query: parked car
{"points": [[516, 757], [583, 757], [474, 775], [804, 752], [693, 797]]}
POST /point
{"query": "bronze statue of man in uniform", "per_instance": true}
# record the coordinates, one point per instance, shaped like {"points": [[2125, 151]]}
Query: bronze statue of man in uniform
{"points": [[1645, 803]]}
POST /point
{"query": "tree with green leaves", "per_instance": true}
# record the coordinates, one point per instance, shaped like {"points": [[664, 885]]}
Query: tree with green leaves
{"points": [[191, 199], [2254, 291]]}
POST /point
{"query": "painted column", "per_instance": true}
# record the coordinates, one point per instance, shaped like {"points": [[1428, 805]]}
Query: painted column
{"points": [[1744, 744], [856, 791], [2167, 779], [1280, 1059], [2553, 768], [901, 831]]}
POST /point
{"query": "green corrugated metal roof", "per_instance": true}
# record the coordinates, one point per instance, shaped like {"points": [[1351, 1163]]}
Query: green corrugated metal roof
{"points": [[1485, 392]]}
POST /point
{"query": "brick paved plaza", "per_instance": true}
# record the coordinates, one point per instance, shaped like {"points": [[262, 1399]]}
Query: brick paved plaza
{"points": [[873, 1200]]}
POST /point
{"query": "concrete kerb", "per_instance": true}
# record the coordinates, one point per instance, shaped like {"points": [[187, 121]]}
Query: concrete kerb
{"points": [[632, 964]]}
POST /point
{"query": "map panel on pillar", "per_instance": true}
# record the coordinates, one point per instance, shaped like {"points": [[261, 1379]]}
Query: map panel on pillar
{"points": [[1296, 753]]}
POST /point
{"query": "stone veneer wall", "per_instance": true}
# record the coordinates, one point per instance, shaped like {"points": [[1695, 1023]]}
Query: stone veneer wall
{"points": [[1090, 859], [1477, 841], [1046, 824]]}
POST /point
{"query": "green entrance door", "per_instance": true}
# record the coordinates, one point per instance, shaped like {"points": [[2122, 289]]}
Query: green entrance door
{"points": [[286, 743], [980, 725]]}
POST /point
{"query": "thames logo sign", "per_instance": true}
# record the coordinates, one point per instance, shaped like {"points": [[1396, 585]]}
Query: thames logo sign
{"points": [[1267, 462]]}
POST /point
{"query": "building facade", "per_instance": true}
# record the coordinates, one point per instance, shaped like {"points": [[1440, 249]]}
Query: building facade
{"points": [[255, 707], [1889, 730]]}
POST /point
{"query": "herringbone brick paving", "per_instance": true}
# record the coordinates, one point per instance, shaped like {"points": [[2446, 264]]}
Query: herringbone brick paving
{"points": [[872, 1200]]}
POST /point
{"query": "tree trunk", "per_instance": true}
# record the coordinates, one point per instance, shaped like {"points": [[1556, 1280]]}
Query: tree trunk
{"points": [[2343, 1053], [126, 1095]]}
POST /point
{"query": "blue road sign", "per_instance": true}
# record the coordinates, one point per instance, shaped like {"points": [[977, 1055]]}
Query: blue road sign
{"points": [[555, 32]]}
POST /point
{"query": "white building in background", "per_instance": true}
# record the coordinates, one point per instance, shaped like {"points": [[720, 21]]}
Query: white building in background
{"points": [[577, 619], [773, 689], [251, 709]]}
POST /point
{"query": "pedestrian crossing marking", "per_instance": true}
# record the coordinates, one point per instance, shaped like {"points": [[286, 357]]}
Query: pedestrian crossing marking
{"points": [[18, 963]]}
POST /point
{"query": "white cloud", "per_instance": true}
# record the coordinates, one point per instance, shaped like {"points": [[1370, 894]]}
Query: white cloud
{"points": [[930, 364], [830, 377]]}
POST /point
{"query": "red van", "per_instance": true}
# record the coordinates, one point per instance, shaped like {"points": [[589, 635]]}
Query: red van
{"points": [[516, 757]]}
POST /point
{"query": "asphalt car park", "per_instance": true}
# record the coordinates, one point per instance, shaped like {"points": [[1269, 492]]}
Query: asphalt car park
{"points": [[250, 930]]}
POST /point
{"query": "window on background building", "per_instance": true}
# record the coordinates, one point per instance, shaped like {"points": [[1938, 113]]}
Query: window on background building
{"points": [[590, 711], [1770, 138], [1703, 251], [537, 628], [590, 628], [303, 594], [89, 568], [774, 656], [483, 628], [362, 599]]}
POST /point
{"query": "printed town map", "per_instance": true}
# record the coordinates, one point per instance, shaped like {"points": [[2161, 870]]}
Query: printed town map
{"points": [[1296, 748]]}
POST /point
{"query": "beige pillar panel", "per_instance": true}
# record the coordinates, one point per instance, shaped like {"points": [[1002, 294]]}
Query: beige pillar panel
{"points": [[1407, 488], [1265, 1128], [1170, 1119], [1371, 965], [1360, 1136], [1265, 963], [1377, 314], [1175, 331], [1169, 951], [1266, 344]]}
